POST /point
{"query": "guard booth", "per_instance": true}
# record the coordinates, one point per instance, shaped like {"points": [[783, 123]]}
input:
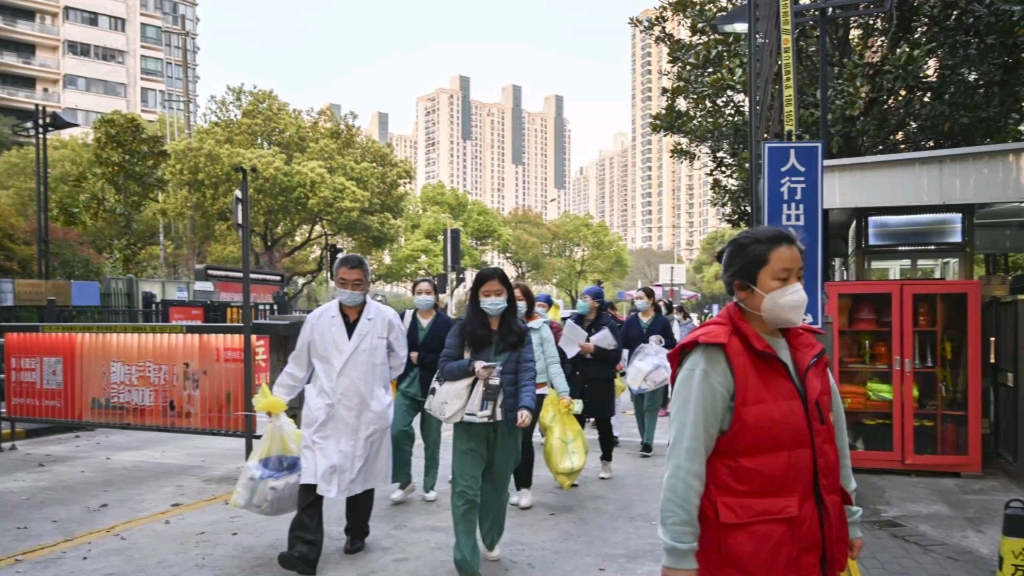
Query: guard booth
{"points": [[918, 245]]}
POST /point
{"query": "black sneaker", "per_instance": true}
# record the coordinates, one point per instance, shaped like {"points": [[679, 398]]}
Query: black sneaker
{"points": [[646, 451], [297, 563], [616, 438], [355, 545]]}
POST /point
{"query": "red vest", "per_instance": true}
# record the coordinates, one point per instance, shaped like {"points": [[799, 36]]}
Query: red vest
{"points": [[772, 502]]}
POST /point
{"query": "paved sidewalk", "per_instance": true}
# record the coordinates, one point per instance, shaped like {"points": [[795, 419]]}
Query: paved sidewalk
{"points": [[58, 487]]}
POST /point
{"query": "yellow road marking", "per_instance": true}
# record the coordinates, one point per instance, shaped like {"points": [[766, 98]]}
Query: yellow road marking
{"points": [[92, 536]]}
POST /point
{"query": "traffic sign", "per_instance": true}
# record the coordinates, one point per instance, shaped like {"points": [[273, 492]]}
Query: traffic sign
{"points": [[792, 199]]}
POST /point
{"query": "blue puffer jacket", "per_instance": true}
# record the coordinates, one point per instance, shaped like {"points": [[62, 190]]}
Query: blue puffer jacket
{"points": [[518, 371], [545, 352]]}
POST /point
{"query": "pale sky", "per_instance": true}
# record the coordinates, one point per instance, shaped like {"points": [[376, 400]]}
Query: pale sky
{"points": [[371, 56]]}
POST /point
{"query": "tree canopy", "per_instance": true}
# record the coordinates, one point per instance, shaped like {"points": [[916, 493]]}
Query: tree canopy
{"points": [[583, 251], [926, 75], [318, 181], [704, 275]]}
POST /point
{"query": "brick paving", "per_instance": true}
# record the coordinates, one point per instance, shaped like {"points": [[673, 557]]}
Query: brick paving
{"points": [[887, 553]]}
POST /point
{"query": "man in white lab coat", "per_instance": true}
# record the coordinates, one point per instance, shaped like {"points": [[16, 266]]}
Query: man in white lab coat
{"points": [[347, 354]]}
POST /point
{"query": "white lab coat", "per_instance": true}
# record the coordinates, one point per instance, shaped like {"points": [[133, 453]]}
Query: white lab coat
{"points": [[346, 417]]}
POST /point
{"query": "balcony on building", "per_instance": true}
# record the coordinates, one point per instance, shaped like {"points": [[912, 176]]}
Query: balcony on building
{"points": [[28, 25], [26, 98], [22, 59]]}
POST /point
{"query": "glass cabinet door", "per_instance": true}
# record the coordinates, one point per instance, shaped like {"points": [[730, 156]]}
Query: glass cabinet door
{"points": [[867, 357], [936, 333]]}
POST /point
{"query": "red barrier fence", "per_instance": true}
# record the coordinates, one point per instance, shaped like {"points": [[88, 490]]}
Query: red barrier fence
{"points": [[169, 380]]}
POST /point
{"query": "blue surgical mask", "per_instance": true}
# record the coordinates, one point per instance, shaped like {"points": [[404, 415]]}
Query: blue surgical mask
{"points": [[351, 298], [642, 305], [521, 309], [493, 307], [424, 302], [582, 307]]}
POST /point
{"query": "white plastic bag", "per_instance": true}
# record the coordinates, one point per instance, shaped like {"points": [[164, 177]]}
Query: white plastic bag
{"points": [[649, 369], [269, 482]]}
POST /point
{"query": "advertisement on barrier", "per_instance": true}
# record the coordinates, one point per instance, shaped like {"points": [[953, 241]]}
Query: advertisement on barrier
{"points": [[186, 314], [187, 381]]}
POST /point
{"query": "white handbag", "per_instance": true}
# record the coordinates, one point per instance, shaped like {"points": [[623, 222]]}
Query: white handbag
{"points": [[481, 409], [446, 400]]}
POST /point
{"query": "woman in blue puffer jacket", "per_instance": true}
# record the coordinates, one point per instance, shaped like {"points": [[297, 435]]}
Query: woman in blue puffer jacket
{"points": [[549, 374]]}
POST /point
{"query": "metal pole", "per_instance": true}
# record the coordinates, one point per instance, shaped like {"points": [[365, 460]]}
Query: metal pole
{"points": [[184, 77], [250, 419], [36, 127], [752, 96], [823, 110], [46, 199]]}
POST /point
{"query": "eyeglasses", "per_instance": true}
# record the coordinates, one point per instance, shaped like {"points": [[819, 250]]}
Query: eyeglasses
{"points": [[358, 285]]}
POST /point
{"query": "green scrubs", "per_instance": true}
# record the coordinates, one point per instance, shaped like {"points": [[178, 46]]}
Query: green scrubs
{"points": [[484, 455], [647, 405], [483, 459], [408, 404]]}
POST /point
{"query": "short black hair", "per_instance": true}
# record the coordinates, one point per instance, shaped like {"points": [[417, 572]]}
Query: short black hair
{"points": [[352, 262], [745, 255]]}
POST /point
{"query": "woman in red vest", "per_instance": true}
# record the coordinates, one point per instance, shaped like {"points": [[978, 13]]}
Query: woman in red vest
{"points": [[758, 479]]}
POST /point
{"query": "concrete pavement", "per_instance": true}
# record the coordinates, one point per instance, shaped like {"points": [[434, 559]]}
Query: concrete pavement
{"points": [[142, 484]]}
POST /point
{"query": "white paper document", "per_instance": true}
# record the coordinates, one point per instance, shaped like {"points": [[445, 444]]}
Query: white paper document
{"points": [[604, 339], [572, 337]]}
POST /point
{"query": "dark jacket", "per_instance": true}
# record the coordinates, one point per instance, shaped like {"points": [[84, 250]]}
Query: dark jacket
{"points": [[633, 333], [601, 365], [429, 349], [518, 371]]}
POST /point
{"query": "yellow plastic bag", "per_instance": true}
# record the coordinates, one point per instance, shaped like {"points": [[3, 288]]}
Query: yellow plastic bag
{"points": [[620, 386], [565, 445], [851, 569], [266, 403], [269, 482]]}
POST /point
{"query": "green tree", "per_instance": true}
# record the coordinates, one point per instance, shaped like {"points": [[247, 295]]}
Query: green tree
{"points": [[319, 181], [420, 251], [17, 247], [120, 197], [704, 275], [7, 139], [583, 251], [926, 75], [524, 245], [72, 251]]}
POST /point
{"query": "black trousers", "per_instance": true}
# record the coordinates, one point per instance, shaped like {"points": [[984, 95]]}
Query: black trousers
{"points": [[523, 474], [306, 533], [605, 435]]}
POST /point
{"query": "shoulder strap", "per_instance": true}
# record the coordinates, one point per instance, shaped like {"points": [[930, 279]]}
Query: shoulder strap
{"points": [[407, 321]]}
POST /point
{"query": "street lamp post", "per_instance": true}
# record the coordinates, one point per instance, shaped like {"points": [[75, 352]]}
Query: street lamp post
{"points": [[741, 20], [41, 124], [731, 23]]}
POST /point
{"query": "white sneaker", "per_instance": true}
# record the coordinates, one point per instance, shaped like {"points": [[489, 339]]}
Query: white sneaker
{"points": [[606, 470], [430, 496], [513, 500], [449, 479], [525, 499], [400, 495], [492, 555]]}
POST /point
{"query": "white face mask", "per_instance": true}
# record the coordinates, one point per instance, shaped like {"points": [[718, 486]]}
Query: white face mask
{"points": [[785, 307]]}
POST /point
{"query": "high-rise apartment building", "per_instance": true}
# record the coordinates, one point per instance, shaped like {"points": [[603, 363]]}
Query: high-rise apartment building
{"points": [[497, 152], [91, 57], [404, 145], [670, 207], [603, 187]]}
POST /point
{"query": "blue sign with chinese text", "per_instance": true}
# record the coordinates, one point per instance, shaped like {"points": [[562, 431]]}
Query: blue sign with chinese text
{"points": [[792, 199]]}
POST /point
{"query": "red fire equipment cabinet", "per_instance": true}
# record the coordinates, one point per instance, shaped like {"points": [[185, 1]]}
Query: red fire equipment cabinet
{"points": [[907, 359]]}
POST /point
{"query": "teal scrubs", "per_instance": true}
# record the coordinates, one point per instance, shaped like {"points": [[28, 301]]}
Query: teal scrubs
{"points": [[647, 405], [409, 404]]}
